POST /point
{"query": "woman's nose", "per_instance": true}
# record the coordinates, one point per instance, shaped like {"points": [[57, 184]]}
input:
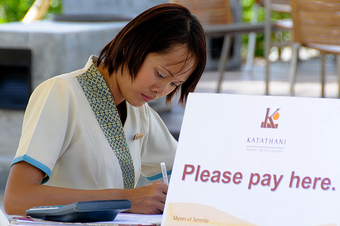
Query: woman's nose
{"points": [[160, 89]]}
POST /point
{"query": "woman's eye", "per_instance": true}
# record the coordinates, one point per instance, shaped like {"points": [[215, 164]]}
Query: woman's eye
{"points": [[159, 75], [176, 85], [172, 83]]}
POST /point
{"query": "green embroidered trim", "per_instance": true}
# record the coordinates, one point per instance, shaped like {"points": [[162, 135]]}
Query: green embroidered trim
{"points": [[100, 99]]}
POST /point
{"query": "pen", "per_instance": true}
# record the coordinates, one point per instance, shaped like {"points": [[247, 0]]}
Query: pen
{"points": [[164, 173]]}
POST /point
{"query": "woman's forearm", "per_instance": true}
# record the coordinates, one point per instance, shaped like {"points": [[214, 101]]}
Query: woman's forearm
{"points": [[24, 190]]}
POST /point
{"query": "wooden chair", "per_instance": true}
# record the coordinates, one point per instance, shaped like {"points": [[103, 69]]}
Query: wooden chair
{"points": [[317, 26], [217, 19]]}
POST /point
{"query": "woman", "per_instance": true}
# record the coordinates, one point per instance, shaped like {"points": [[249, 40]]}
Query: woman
{"points": [[89, 134]]}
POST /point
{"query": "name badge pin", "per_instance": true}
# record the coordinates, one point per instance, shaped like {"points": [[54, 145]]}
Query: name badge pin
{"points": [[138, 136]]}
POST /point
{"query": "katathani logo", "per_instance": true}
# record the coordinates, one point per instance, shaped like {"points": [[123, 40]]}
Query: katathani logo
{"points": [[269, 121]]}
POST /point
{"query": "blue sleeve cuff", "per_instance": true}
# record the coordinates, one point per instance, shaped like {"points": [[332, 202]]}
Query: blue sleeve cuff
{"points": [[158, 176], [36, 164]]}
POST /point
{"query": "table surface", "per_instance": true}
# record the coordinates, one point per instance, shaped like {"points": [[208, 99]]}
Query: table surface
{"points": [[122, 219]]}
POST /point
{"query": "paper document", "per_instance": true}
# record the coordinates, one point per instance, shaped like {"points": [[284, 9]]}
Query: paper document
{"points": [[140, 219]]}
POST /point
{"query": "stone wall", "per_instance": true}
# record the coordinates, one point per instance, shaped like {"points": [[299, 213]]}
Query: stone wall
{"points": [[107, 7]]}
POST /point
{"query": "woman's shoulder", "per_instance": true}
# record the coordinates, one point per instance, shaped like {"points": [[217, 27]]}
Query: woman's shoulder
{"points": [[60, 83], [67, 79]]}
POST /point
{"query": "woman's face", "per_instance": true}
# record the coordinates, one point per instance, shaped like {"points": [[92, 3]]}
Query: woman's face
{"points": [[158, 76]]}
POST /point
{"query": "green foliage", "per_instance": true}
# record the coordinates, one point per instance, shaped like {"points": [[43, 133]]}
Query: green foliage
{"points": [[15, 10]]}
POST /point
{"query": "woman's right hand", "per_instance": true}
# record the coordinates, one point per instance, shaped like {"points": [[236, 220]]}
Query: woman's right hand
{"points": [[148, 199]]}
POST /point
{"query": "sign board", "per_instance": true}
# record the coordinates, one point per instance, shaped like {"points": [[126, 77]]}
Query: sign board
{"points": [[256, 160]]}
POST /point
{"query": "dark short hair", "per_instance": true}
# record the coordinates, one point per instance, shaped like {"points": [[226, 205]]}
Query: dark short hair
{"points": [[157, 30]]}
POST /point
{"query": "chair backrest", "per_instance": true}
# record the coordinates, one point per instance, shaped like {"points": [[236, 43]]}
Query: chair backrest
{"points": [[209, 12], [316, 21]]}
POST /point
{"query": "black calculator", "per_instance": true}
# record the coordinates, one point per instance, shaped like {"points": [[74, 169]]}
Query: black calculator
{"points": [[84, 211]]}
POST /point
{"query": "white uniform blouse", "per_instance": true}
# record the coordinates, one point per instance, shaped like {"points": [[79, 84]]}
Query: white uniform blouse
{"points": [[61, 136]]}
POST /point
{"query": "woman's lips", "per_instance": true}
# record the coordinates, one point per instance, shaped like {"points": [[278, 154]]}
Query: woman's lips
{"points": [[147, 98]]}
